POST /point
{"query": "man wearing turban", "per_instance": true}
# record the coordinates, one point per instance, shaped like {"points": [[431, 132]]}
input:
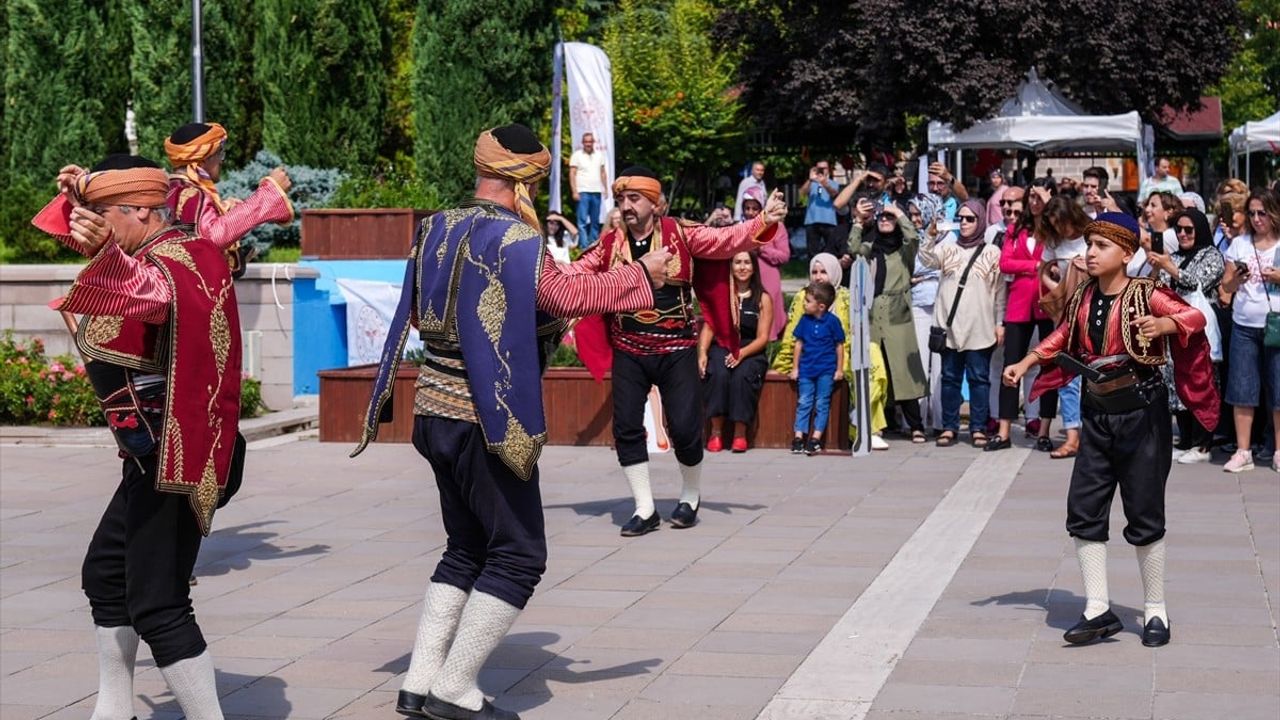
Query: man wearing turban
{"points": [[486, 299], [161, 341], [196, 152], [658, 347], [1115, 333]]}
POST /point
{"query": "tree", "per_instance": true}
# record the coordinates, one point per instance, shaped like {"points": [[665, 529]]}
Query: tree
{"points": [[675, 111], [957, 62], [160, 70], [320, 68], [476, 64], [1250, 90], [63, 101]]}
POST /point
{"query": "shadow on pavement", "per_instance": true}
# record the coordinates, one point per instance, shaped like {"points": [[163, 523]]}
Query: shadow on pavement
{"points": [[538, 668], [268, 698], [1061, 607], [621, 509], [237, 547]]}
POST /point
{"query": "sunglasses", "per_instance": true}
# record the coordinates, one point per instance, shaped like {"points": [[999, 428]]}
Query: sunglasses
{"points": [[1007, 203], [1011, 211], [885, 216], [1186, 230], [936, 183], [967, 218], [1257, 213]]}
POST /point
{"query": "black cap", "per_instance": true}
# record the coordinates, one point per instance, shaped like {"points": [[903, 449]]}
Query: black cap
{"points": [[188, 132], [639, 171], [518, 139]]}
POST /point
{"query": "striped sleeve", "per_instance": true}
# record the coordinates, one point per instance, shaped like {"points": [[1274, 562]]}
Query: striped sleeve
{"points": [[115, 284], [626, 288], [266, 205]]}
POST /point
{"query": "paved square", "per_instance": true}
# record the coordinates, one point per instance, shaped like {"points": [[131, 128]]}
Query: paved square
{"points": [[789, 600]]}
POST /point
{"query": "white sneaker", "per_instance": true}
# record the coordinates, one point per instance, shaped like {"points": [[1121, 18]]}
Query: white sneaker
{"points": [[1240, 462], [878, 443], [1193, 456], [1177, 454]]}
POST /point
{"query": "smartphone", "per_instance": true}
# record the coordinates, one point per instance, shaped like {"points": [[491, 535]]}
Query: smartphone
{"points": [[1157, 243]]}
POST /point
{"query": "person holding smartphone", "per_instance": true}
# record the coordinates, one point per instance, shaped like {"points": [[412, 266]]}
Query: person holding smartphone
{"points": [[820, 216]]}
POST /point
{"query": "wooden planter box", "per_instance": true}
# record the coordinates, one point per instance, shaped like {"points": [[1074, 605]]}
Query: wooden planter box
{"points": [[579, 410], [359, 234]]}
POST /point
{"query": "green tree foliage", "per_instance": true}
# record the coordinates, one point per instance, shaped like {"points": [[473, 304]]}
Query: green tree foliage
{"points": [[321, 71], [160, 70], [64, 101], [477, 64], [1250, 90], [672, 98]]}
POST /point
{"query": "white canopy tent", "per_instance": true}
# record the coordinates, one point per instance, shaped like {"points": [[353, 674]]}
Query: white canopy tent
{"points": [[1256, 136], [1039, 119]]}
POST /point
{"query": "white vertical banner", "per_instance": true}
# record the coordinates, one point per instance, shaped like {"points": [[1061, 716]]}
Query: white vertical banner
{"points": [[371, 305], [557, 103], [590, 79]]}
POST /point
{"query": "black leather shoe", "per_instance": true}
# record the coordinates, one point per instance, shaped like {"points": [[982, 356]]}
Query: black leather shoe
{"points": [[997, 443], [1156, 633], [638, 526], [684, 516], [1044, 444], [410, 704], [438, 709], [1099, 628]]}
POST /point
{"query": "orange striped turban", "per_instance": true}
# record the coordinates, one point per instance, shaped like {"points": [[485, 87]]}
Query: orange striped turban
{"points": [[135, 187], [641, 179], [513, 152], [196, 149]]}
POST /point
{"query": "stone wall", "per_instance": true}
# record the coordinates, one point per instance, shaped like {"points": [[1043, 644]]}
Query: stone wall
{"points": [[265, 294]]}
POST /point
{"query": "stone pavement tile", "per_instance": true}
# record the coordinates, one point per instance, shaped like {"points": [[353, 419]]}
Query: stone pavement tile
{"points": [[536, 612], [27, 712], [1009, 651], [1198, 634], [567, 680], [638, 639], [686, 583], [666, 599], [897, 715], [1078, 702], [644, 709], [315, 673], [380, 704], [1217, 658], [270, 697], [708, 690], [1123, 650], [910, 671], [796, 600], [695, 621], [587, 581], [574, 707], [563, 597], [1203, 706], [307, 627], [934, 699], [736, 664], [778, 622], [1093, 678], [1261, 681], [730, 641], [1018, 628]]}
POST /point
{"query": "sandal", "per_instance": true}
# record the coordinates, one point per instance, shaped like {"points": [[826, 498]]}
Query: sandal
{"points": [[979, 438], [918, 437], [946, 439], [1064, 453]]}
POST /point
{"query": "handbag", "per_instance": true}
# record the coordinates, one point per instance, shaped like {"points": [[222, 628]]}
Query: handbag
{"points": [[1271, 331], [1054, 303], [1197, 300], [938, 335]]}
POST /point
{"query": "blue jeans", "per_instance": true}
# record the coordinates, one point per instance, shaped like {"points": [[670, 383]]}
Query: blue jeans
{"points": [[974, 365], [588, 218], [1069, 404], [1255, 368], [815, 392]]}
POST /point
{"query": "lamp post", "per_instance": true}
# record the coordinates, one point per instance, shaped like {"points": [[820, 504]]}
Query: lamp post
{"points": [[197, 65]]}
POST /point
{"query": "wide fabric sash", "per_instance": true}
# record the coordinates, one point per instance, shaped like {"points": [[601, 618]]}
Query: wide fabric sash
{"points": [[476, 286]]}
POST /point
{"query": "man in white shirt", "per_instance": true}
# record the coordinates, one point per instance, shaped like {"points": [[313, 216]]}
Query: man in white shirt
{"points": [[589, 183], [1162, 181], [755, 179]]}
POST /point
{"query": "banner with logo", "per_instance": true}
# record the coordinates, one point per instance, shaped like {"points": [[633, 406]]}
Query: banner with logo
{"points": [[370, 306], [590, 79]]}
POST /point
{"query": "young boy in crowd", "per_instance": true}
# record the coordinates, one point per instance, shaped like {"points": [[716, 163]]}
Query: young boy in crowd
{"points": [[818, 364], [1115, 333]]}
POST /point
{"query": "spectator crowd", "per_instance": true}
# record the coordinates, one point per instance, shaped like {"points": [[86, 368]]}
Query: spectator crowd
{"points": [[966, 281]]}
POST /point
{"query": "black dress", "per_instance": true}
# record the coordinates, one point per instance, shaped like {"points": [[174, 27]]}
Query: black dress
{"points": [[735, 392]]}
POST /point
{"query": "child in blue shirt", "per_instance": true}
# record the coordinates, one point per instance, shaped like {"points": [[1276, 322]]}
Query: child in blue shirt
{"points": [[818, 364]]}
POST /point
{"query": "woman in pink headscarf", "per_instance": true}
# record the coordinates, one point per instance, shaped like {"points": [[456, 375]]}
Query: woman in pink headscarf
{"points": [[773, 255]]}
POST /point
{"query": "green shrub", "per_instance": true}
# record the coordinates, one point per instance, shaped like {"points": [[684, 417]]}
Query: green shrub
{"points": [[392, 189], [37, 390], [20, 241], [564, 356], [312, 188]]}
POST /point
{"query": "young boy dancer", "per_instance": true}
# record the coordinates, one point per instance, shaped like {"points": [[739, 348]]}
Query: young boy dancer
{"points": [[819, 363], [1114, 334]]}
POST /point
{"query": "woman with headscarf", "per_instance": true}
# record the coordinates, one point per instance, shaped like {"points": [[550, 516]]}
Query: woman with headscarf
{"points": [[889, 242], [824, 267], [1194, 266], [924, 210], [970, 308]]}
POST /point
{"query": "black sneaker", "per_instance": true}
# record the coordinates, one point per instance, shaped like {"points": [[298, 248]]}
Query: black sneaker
{"points": [[797, 446], [1099, 628], [638, 526], [813, 447]]}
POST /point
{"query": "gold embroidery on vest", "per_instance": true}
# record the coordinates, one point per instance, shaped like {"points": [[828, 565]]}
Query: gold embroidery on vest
{"points": [[102, 329]]}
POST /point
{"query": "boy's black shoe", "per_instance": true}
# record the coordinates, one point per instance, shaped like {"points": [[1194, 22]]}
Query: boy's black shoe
{"points": [[638, 526], [1099, 628], [813, 447], [1156, 633], [797, 446], [410, 704], [684, 516]]}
